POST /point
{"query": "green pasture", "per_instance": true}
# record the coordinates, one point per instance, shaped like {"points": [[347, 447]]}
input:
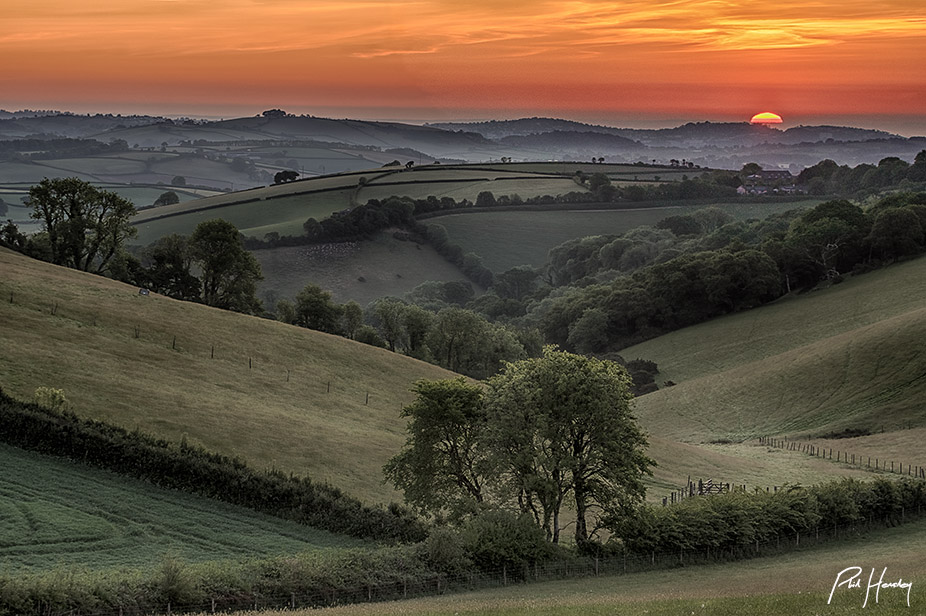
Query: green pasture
{"points": [[847, 357], [99, 165], [13, 172], [506, 239], [359, 271], [525, 188], [793, 583], [275, 395], [57, 513], [285, 215]]}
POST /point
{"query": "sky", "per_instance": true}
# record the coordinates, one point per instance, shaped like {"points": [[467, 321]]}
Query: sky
{"points": [[624, 63]]}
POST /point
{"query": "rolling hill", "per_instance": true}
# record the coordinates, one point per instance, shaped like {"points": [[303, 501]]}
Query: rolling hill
{"points": [[275, 395], [849, 357]]}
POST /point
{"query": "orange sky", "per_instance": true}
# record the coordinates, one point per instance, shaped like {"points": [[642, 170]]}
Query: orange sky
{"points": [[616, 61]]}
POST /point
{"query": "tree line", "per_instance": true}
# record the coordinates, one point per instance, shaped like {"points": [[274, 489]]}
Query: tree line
{"points": [[602, 293]]}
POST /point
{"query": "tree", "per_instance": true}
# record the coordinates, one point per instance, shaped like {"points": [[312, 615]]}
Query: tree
{"points": [[389, 313], [229, 272], [315, 310], [178, 180], [282, 177], [441, 468], [4, 208], [167, 198], [169, 272], [485, 199], [896, 232], [353, 318], [561, 426], [86, 227]]}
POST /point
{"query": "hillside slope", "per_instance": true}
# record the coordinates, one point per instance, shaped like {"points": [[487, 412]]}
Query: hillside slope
{"points": [[849, 357], [235, 384]]}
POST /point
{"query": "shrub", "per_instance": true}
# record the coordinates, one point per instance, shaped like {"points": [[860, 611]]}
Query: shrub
{"points": [[51, 399]]}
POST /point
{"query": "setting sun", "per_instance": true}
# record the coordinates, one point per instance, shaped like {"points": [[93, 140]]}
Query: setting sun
{"points": [[766, 117]]}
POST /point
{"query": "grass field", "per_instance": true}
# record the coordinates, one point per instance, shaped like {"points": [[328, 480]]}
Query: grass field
{"points": [[359, 271], [322, 196], [284, 215], [506, 239], [277, 413], [850, 356], [60, 514], [794, 583], [458, 191]]}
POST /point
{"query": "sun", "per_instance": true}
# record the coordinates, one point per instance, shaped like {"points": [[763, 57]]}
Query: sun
{"points": [[766, 117]]}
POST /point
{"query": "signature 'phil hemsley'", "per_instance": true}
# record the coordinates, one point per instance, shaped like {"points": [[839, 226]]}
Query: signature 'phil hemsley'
{"points": [[852, 580]]}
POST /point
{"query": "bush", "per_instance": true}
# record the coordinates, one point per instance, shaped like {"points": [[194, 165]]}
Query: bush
{"points": [[497, 539], [51, 399]]}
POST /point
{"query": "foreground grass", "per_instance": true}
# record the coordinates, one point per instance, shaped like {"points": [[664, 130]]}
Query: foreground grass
{"points": [[794, 583], [60, 514]]}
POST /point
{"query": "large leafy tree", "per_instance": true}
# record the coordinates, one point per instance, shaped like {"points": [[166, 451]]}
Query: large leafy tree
{"points": [[229, 272], [550, 432], [169, 271], [86, 226], [442, 468], [315, 310], [562, 429]]}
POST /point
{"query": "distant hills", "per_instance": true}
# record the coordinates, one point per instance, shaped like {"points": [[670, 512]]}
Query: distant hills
{"points": [[725, 145]]}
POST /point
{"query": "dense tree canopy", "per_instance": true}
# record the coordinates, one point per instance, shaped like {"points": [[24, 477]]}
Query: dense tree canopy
{"points": [[561, 428], [443, 465], [549, 432], [86, 226], [229, 272]]}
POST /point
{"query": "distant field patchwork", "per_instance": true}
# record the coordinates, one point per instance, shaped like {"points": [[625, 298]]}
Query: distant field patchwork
{"points": [[58, 513]]}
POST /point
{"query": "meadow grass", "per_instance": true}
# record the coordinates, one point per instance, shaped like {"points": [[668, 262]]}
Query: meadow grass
{"points": [[459, 191], [284, 215], [57, 513], [846, 357], [796, 582], [99, 165], [277, 413], [358, 271]]}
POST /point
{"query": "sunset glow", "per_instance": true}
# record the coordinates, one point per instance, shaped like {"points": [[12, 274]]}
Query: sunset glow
{"points": [[766, 117], [698, 59]]}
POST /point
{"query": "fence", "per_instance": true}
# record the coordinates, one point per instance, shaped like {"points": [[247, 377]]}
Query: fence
{"points": [[867, 462], [438, 584]]}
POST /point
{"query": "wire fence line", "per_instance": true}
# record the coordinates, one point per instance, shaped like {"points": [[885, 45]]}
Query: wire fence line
{"points": [[200, 349], [436, 584], [875, 463]]}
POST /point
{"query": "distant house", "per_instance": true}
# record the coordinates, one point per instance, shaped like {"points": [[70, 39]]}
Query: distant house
{"points": [[775, 181]]}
